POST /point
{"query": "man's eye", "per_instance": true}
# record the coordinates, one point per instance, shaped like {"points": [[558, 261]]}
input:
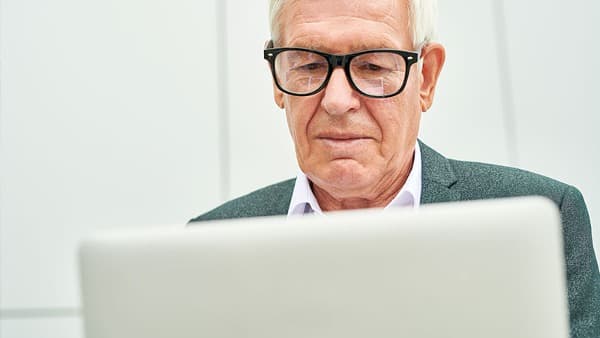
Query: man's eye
{"points": [[311, 66], [371, 67]]}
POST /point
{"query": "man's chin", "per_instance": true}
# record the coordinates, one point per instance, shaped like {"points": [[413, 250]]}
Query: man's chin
{"points": [[343, 178]]}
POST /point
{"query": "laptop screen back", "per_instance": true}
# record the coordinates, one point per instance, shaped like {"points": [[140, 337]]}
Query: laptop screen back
{"points": [[470, 269]]}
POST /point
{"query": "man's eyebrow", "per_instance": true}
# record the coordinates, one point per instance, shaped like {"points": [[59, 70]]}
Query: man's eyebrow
{"points": [[374, 45], [354, 47], [309, 44]]}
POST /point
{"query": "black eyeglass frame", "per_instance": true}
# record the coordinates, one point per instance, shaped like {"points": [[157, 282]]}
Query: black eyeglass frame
{"points": [[340, 60]]}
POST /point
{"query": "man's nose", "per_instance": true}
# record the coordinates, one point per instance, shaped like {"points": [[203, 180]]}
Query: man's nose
{"points": [[339, 96]]}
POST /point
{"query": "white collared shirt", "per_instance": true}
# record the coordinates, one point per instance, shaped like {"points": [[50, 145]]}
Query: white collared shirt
{"points": [[304, 200]]}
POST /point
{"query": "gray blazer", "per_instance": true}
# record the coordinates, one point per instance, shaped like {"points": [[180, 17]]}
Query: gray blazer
{"points": [[446, 180]]}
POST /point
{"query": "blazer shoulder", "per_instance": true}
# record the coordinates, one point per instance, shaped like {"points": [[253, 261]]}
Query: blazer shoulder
{"points": [[268, 201], [481, 180]]}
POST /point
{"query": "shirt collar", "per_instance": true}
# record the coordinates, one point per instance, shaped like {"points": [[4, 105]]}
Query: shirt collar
{"points": [[304, 201]]}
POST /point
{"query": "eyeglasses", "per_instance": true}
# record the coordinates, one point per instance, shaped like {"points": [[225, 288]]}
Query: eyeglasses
{"points": [[377, 73]]}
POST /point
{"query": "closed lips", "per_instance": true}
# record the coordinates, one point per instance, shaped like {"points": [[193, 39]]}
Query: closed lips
{"points": [[341, 136]]}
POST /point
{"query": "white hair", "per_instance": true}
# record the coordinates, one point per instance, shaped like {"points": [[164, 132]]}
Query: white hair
{"points": [[422, 20]]}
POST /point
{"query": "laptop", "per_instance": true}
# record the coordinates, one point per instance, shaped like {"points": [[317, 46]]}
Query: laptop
{"points": [[476, 269]]}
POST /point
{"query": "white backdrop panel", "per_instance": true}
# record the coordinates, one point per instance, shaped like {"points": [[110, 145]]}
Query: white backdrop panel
{"points": [[466, 121], [41, 328], [108, 118], [554, 55]]}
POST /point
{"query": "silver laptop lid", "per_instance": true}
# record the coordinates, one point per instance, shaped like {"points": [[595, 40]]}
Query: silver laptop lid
{"points": [[474, 269]]}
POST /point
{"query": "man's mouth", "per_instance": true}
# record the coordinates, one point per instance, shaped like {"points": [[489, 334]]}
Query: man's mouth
{"points": [[344, 145], [332, 136]]}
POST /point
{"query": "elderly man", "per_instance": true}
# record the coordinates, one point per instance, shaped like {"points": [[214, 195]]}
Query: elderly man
{"points": [[354, 78]]}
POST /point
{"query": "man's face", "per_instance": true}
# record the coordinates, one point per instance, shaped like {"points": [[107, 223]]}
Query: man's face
{"points": [[351, 146]]}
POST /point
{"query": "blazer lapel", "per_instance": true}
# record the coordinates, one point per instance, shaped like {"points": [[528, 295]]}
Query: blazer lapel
{"points": [[438, 177]]}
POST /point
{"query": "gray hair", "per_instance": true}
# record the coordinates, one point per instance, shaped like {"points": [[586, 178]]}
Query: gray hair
{"points": [[422, 20]]}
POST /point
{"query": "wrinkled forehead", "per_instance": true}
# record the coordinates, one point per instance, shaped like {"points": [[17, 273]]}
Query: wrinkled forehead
{"points": [[372, 17]]}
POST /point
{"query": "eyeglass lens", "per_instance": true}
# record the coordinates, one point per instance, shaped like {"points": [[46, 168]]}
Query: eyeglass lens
{"points": [[373, 73]]}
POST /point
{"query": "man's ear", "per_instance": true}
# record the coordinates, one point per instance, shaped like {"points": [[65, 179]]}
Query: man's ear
{"points": [[278, 96], [433, 56]]}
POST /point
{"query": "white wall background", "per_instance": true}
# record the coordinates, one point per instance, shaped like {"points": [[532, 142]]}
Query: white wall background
{"points": [[135, 113]]}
